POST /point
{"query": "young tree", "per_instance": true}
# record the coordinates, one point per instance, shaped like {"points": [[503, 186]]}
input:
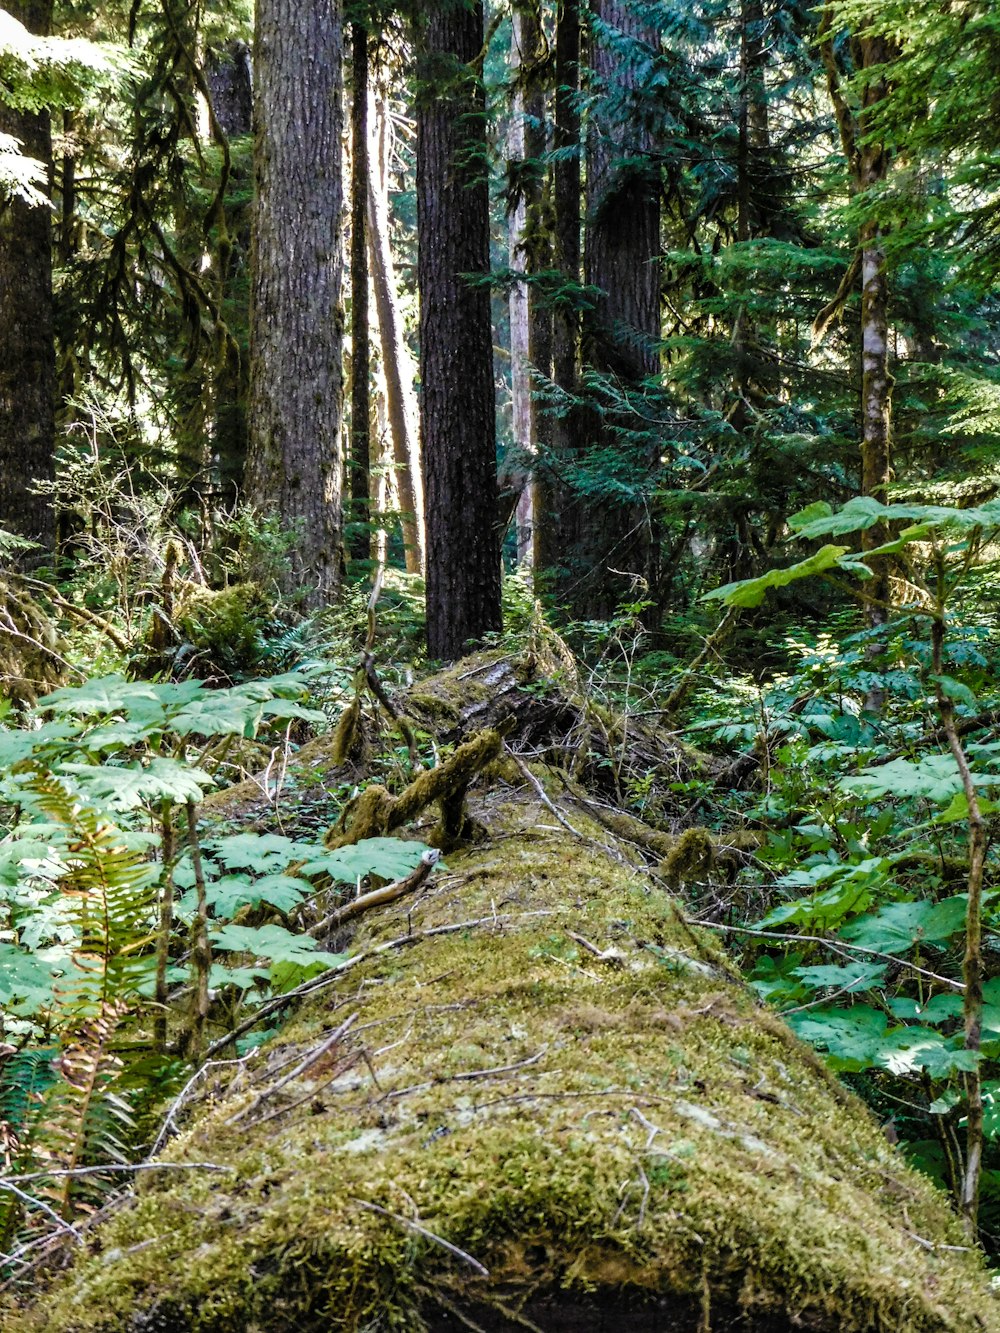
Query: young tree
{"points": [[397, 363], [27, 358], [296, 320], [456, 342]]}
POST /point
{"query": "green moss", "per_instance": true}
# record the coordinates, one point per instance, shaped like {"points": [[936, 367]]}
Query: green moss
{"points": [[627, 1129]]}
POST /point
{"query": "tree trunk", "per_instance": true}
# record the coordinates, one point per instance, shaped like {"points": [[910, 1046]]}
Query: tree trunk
{"points": [[557, 528], [622, 248], [229, 77], [517, 477], [27, 334], [296, 319], [397, 366], [868, 164], [456, 344], [876, 379], [530, 253], [753, 139], [361, 424]]}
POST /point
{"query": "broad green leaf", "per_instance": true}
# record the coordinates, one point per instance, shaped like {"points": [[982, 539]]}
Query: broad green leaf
{"points": [[217, 715], [391, 858], [844, 976], [129, 787], [851, 1037], [278, 708], [270, 941], [751, 592], [934, 777], [958, 809], [941, 1008], [911, 1050], [954, 689], [260, 852], [27, 984], [894, 929]]}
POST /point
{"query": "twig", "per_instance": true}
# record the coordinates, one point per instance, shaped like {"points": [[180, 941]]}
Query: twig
{"points": [[499, 1069], [41, 1205], [474, 1264], [299, 1069], [542, 794], [354, 1058], [122, 1168], [613, 956], [169, 1125], [379, 897], [335, 973], [829, 944]]}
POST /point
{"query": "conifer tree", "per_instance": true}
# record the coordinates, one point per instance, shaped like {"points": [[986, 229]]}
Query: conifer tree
{"points": [[294, 463], [458, 431], [27, 359]]}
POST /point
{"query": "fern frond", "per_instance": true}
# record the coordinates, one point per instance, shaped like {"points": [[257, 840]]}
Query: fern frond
{"points": [[85, 1119]]}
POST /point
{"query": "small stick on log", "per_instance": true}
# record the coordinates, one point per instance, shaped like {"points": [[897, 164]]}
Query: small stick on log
{"points": [[379, 897], [407, 1222]]}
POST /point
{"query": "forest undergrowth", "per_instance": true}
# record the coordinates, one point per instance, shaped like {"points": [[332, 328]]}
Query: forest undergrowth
{"points": [[186, 836]]}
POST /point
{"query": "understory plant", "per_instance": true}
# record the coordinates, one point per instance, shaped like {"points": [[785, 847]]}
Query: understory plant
{"points": [[880, 782], [131, 927]]}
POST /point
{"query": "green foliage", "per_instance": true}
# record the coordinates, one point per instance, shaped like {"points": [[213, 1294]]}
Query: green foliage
{"points": [[92, 848]]}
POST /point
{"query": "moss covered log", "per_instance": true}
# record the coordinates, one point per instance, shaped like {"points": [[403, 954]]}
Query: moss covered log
{"points": [[558, 1112]]}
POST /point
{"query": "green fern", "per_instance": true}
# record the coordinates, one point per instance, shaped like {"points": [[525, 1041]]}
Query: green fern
{"points": [[109, 886], [86, 1120]]}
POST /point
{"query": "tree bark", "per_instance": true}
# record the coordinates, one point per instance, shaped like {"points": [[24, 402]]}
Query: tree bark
{"points": [[361, 424], [456, 344], [27, 332], [868, 164], [622, 248], [296, 319], [517, 477], [530, 252], [397, 364], [229, 76], [753, 140], [557, 528], [876, 378]]}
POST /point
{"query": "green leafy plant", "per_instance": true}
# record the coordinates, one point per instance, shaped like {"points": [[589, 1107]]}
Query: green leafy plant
{"points": [[892, 1002]]}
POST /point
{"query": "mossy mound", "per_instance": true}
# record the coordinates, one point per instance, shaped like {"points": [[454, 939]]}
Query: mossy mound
{"points": [[554, 1108], [30, 662]]}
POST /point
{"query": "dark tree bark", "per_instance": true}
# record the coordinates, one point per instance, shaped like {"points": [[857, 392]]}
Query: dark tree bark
{"points": [[229, 77], [296, 319], [753, 141], [867, 160], [456, 342], [360, 462], [622, 249], [27, 337], [557, 527]]}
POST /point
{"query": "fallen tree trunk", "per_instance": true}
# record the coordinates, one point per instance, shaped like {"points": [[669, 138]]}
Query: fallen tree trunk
{"points": [[538, 1101]]}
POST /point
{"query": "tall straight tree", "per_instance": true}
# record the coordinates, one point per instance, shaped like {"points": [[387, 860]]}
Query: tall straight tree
{"points": [[294, 466], [456, 341], [621, 254], [361, 424], [557, 519], [27, 346], [867, 160]]}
